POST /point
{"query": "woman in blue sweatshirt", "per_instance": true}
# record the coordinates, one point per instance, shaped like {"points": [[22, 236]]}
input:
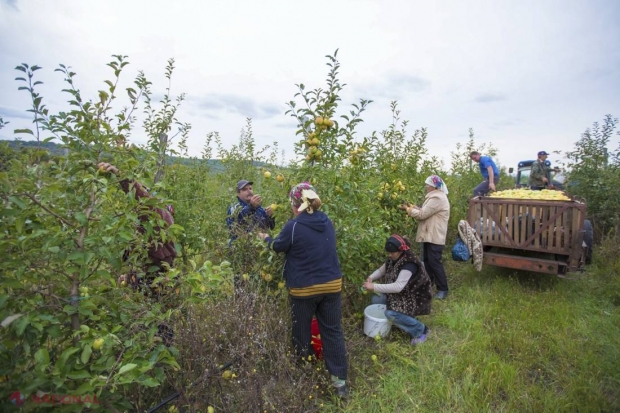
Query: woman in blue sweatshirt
{"points": [[313, 278]]}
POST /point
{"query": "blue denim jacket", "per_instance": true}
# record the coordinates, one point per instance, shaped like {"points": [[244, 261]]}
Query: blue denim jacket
{"points": [[243, 215]]}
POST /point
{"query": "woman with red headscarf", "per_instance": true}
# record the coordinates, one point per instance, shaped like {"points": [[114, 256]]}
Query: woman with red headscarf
{"points": [[314, 281], [406, 291]]}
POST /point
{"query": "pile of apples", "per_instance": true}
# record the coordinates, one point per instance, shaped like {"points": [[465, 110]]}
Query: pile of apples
{"points": [[522, 193]]}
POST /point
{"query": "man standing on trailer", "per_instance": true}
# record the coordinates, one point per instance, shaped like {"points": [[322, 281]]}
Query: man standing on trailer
{"points": [[489, 172]]}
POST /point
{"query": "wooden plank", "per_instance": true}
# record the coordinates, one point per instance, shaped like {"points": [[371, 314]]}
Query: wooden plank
{"points": [[565, 230], [546, 214], [510, 218], [536, 225], [528, 226], [576, 244], [485, 225], [522, 263], [522, 225], [558, 233]]}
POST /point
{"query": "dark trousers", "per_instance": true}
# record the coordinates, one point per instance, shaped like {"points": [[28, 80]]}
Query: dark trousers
{"points": [[434, 266], [483, 188], [327, 309]]}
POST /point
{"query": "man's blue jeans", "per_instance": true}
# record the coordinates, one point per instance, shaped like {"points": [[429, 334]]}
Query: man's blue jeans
{"points": [[406, 323], [484, 187]]}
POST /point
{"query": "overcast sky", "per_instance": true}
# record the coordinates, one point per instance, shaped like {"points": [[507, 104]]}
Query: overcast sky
{"points": [[525, 75]]}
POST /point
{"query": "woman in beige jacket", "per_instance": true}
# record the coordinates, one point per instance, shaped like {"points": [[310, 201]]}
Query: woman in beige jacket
{"points": [[432, 219]]}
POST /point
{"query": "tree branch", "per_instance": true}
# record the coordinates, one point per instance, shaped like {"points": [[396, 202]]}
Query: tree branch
{"points": [[48, 210]]}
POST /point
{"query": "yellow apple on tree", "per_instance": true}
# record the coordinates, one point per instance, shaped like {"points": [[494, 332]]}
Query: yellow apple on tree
{"points": [[98, 343], [267, 174]]}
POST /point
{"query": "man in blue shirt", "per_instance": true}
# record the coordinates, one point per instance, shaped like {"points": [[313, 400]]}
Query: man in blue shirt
{"points": [[247, 214], [489, 172]]}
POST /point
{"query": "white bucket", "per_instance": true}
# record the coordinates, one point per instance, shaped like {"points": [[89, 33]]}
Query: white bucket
{"points": [[375, 321]]}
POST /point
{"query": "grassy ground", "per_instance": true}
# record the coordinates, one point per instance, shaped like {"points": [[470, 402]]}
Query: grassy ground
{"points": [[503, 341]]}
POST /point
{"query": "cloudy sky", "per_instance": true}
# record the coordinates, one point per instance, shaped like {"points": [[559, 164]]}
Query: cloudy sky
{"points": [[525, 75]]}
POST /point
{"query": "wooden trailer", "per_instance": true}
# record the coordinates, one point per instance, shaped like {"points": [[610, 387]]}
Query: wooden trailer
{"points": [[533, 235]]}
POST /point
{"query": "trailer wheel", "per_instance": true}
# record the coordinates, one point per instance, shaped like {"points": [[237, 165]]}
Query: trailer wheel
{"points": [[588, 238]]}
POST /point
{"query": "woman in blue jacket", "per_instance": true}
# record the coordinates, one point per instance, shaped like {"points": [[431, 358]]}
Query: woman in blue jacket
{"points": [[313, 278]]}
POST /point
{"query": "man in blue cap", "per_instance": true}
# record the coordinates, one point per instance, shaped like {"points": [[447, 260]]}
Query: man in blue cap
{"points": [[540, 175], [247, 214]]}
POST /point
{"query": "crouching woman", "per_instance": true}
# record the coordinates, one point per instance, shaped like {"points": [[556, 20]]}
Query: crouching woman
{"points": [[406, 290]]}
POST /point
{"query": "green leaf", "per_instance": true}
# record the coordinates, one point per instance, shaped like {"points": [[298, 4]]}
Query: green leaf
{"points": [[11, 282], [127, 236], [70, 309], [66, 354], [150, 382], [54, 331], [77, 256], [21, 325], [126, 368], [86, 353], [42, 358], [15, 200], [84, 388], [81, 218], [26, 131], [76, 375]]}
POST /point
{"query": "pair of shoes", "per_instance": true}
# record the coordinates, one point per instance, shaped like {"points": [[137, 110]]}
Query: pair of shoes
{"points": [[421, 339], [441, 295], [342, 391]]}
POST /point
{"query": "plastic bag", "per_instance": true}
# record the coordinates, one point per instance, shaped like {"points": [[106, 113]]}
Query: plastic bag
{"points": [[460, 252]]}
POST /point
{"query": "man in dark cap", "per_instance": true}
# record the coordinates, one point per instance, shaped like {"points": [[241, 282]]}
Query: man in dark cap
{"points": [[540, 175], [247, 214]]}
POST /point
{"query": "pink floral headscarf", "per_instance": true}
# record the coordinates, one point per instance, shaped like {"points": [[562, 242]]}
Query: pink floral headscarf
{"points": [[437, 183], [301, 195]]}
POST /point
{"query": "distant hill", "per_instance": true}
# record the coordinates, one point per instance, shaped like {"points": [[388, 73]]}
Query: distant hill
{"points": [[51, 147], [58, 150]]}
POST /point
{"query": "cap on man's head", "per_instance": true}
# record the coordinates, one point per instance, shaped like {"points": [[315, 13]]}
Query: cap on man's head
{"points": [[541, 153], [242, 184]]}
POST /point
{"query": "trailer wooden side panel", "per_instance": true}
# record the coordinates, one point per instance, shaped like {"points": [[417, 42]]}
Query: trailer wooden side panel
{"points": [[552, 227]]}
